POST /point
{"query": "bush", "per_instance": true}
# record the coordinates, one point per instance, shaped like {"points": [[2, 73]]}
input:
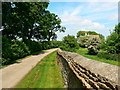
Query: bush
{"points": [[83, 41], [106, 55], [19, 49], [33, 46], [56, 44], [12, 50], [93, 45], [69, 43]]}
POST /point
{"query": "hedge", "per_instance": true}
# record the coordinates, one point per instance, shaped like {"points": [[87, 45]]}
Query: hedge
{"points": [[12, 50], [33, 46], [106, 55]]}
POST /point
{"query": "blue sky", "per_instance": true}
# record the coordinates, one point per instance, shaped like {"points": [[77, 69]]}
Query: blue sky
{"points": [[85, 16]]}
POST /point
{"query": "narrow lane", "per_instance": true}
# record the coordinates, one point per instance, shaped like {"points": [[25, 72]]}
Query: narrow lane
{"points": [[12, 74]]}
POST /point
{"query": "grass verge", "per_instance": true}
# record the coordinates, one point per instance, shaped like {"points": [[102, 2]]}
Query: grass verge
{"points": [[83, 52], [46, 74]]}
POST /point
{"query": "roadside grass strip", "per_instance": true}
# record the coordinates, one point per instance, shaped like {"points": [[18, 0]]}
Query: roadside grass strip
{"points": [[83, 52], [46, 74]]}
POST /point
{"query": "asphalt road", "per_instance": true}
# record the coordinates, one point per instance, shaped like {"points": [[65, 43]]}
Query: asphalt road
{"points": [[12, 74]]}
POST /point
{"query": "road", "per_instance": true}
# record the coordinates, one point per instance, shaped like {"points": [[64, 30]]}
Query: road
{"points": [[12, 74]]}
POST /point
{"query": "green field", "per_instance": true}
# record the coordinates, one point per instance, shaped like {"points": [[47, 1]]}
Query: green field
{"points": [[83, 52], [46, 74]]}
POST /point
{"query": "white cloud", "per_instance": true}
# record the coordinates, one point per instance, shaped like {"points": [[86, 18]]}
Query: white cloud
{"points": [[74, 23], [93, 16], [78, 21]]}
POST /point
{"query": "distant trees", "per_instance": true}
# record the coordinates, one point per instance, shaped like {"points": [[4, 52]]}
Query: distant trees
{"points": [[81, 33], [93, 45], [82, 41], [69, 43], [85, 33], [89, 42], [110, 49], [112, 43]]}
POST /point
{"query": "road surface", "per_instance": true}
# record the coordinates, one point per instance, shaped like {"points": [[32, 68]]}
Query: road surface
{"points": [[12, 74]]}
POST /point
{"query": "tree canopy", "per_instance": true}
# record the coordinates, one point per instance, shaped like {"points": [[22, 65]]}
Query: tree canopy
{"points": [[29, 20], [84, 33], [112, 43]]}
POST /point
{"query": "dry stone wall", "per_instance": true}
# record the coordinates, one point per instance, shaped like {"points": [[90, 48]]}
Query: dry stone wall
{"points": [[89, 73]]}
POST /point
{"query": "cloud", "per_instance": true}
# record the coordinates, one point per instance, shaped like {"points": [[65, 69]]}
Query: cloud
{"points": [[92, 16], [78, 21]]}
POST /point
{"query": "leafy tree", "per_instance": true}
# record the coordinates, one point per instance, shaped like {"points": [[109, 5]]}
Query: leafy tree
{"points": [[81, 33], [70, 40], [30, 21], [82, 41], [70, 43], [93, 45], [112, 44], [51, 24], [84, 33], [91, 33]]}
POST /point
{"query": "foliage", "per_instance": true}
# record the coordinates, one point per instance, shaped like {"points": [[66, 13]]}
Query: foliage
{"points": [[29, 21], [82, 41], [56, 44], [81, 33], [106, 55], [83, 51], [70, 43], [84, 33], [13, 50], [112, 43], [93, 45], [70, 40], [33, 46]]}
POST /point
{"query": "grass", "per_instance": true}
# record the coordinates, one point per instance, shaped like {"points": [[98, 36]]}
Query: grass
{"points": [[83, 52], [46, 74]]}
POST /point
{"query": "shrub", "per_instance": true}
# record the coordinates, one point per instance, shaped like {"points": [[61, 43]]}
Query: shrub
{"points": [[83, 41], [93, 45], [45, 45], [56, 44], [33, 46], [106, 55], [19, 49], [69, 43], [12, 50]]}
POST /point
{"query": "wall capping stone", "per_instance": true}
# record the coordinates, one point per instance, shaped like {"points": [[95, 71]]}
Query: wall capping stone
{"points": [[93, 74]]}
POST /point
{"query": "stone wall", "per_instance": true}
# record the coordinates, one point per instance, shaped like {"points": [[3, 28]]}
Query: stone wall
{"points": [[88, 73], [70, 79]]}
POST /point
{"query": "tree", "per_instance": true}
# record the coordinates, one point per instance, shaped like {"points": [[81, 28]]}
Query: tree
{"points": [[112, 43], [93, 45], [82, 41], [29, 21], [85, 33], [50, 25], [19, 18], [70, 43], [81, 33]]}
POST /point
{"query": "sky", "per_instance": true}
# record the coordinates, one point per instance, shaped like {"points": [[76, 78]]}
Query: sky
{"points": [[100, 17]]}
